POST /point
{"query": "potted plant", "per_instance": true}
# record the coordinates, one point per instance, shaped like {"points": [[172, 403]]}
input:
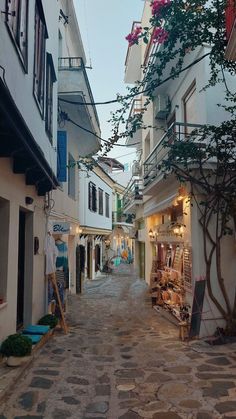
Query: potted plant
{"points": [[17, 349], [49, 320]]}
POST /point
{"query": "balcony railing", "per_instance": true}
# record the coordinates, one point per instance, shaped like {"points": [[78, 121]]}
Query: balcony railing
{"points": [[133, 193], [177, 132], [120, 217], [77, 64], [70, 63]]}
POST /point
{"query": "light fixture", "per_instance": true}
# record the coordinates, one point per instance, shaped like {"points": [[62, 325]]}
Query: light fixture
{"points": [[162, 245], [181, 193], [150, 233], [107, 243], [78, 230], [29, 200]]}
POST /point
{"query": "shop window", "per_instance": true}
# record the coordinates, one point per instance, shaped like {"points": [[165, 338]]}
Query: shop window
{"points": [[5, 219], [17, 23], [71, 176], [39, 55], [92, 197], [50, 79], [100, 201], [107, 200]]}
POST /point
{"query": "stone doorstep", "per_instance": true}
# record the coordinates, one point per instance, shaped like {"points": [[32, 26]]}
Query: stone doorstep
{"points": [[10, 375]]}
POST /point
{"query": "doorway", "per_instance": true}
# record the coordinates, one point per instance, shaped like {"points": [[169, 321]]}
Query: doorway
{"points": [[142, 260], [97, 257], [80, 264], [21, 271], [89, 255]]}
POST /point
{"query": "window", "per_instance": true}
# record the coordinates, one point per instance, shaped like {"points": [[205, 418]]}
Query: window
{"points": [[100, 201], [50, 79], [17, 23], [39, 55], [107, 205], [92, 195], [190, 112], [71, 176]]}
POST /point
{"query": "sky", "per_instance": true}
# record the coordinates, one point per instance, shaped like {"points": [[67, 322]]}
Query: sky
{"points": [[104, 25]]}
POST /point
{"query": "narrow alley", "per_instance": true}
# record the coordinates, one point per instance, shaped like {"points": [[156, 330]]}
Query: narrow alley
{"points": [[121, 360]]}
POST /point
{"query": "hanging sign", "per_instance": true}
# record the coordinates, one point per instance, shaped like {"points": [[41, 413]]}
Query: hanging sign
{"points": [[59, 227]]}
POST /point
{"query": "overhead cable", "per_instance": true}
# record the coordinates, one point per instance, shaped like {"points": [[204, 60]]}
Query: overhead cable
{"points": [[138, 93]]}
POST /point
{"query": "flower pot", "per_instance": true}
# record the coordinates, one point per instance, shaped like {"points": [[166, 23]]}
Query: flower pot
{"points": [[16, 361]]}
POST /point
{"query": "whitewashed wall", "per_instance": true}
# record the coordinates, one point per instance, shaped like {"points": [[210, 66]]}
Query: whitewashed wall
{"points": [[20, 84]]}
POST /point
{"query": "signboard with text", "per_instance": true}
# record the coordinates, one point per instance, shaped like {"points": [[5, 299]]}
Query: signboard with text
{"points": [[59, 227]]}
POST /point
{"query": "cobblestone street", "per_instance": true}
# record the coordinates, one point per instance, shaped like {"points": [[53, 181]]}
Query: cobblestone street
{"points": [[123, 360]]}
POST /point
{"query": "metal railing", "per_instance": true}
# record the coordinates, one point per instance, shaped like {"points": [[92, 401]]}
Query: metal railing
{"points": [[77, 63], [121, 217], [177, 132], [134, 192], [70, 63]]}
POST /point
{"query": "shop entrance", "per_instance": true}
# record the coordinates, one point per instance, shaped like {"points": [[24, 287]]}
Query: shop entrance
{"points": [[89, 255], [80, 263], [21, 270], [97, 257], [142, 260]]}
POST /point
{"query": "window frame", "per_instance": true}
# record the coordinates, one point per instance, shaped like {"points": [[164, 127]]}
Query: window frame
{"points": [[50, 80], [14, 23], [107, 205], [100, 201], [92, 197], [40, 36], [189, 93]]}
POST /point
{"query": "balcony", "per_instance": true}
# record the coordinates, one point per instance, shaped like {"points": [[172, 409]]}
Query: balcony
{"points": [[74, 86], [230, 15], [176, 133], [120, 217], [133, 195], [135, 109]]}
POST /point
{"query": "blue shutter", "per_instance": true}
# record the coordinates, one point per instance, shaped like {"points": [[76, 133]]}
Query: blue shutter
{"points": [[62, 156]]}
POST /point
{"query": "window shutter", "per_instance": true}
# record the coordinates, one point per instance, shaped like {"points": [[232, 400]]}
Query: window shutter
{"points": [[61, 156]]}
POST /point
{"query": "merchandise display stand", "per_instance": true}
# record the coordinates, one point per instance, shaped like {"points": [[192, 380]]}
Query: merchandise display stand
{"points": [[52, 278]]}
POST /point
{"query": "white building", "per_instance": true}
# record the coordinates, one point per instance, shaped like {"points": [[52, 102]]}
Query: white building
{"points": [[169, 237], [28, 132], [73, 143]]}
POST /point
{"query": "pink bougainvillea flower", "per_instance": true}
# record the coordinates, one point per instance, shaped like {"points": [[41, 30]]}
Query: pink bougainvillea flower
{"points": [[158, 5], [159, 35], [133, 37]]}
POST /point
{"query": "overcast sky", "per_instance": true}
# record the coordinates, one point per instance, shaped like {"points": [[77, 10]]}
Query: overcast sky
{"points": [[104, 25]]}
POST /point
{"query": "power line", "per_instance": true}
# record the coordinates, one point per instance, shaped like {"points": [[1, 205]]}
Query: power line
{"points": [[65, 117], [138, 93]]}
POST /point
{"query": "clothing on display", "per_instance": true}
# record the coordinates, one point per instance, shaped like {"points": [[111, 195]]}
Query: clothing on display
{"points": [[51, 254]]}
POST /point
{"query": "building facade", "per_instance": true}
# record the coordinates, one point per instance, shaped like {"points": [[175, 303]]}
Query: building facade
{"points": [[28, 127], [169, 235]]}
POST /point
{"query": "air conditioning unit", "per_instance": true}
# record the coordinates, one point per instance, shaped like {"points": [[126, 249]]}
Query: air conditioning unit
{"points": [[161, 106], [136, 169]]}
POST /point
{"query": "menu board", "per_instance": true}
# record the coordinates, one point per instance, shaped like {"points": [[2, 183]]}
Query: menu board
{"points": [[187, 265], [178, 259]]}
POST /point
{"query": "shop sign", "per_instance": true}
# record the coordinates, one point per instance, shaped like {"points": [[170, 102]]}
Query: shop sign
{"points": [[60, 227]]}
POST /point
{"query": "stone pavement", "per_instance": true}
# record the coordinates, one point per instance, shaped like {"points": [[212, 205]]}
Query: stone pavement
{"points": [[121, 360]]}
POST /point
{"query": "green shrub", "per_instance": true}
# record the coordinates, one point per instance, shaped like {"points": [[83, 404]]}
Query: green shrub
{"points": [[16, 345], [49, 320]]}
